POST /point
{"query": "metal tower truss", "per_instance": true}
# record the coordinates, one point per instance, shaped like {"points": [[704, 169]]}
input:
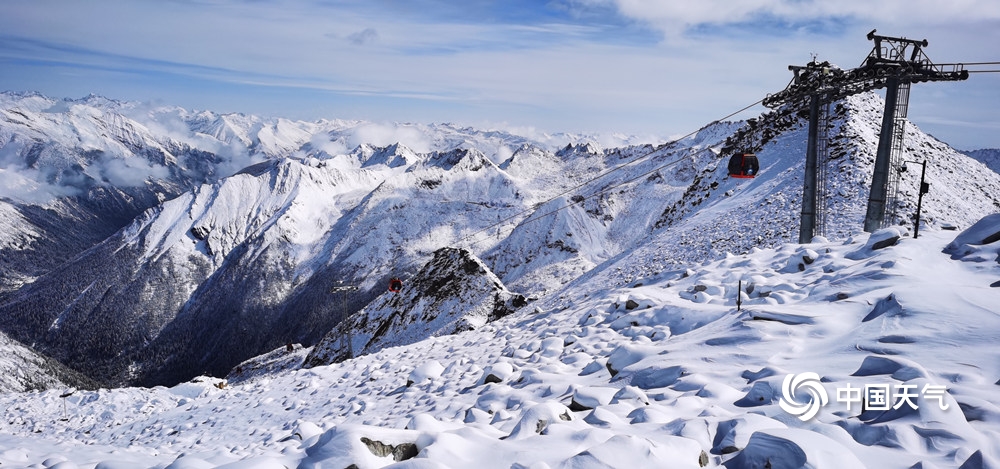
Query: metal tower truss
{"points": [[894, 63], [822, 161], [886, 61], [897, 155]]}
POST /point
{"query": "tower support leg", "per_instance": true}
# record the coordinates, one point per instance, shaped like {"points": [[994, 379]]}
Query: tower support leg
{"points": [[807, 223], [880, 176]]}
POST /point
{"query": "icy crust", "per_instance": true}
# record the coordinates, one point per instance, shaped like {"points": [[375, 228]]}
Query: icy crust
{"points": [[454, 292], [665, 369]]}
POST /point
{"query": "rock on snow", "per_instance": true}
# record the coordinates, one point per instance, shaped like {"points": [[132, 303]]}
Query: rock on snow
{"points": [[454, 292]]}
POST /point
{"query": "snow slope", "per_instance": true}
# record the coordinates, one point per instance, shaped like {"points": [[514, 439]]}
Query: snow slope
{"points": [[453, 292], [988, 156], [23, 370], [665, 370]]}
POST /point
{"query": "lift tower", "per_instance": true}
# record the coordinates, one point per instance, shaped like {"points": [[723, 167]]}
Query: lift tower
{"points": [[894, 63]]}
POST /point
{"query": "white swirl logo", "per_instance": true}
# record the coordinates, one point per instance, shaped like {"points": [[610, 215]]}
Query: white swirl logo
{"points": [[810, 382]]}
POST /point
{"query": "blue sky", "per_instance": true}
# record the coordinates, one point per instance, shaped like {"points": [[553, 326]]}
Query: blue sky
{"points": [[643, 67]]}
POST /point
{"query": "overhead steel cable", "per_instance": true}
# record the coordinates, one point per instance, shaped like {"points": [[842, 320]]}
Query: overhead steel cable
{"points": [[969, 63], [973, 64], [599, 176]]}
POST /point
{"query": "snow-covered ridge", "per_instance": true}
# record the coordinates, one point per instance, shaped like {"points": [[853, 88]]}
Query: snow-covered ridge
{"points": [[989, 156], [453, 292], [24, 370]]}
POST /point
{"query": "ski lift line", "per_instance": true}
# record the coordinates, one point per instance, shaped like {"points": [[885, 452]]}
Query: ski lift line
{"points": [[971, 63], [609, 188], [605, 173], [604, 191]]}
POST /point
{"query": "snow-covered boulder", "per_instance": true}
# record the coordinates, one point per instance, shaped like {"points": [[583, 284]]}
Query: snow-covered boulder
{"points": [[537, 419], [288, 357], [454, 292], [426, 371], [497, 373], [979, 243], [880, 239], [793, 448], [361, 446]]}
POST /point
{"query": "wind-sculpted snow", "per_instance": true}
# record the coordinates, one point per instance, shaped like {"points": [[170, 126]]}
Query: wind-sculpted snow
{"points": [[663, 371]]}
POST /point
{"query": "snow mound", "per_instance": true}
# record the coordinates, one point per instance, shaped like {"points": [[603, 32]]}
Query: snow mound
{"points": [[979, 243]]}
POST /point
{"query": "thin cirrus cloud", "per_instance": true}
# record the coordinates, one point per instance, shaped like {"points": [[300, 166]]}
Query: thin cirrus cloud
{"points": [[637, 66]]}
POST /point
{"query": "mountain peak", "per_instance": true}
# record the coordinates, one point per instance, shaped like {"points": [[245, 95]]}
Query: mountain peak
{"points": [[469, 159], [393, 156], [580, 149]]}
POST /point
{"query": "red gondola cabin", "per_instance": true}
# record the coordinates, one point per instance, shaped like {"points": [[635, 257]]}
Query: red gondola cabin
{"points": [[743, 166], [395, 285]]}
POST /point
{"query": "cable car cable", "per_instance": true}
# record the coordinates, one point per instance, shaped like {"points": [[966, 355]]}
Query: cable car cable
{"points": [[601, 175], [637, 159]]}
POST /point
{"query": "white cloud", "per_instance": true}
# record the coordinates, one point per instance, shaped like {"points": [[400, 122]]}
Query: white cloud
{"points": [[129, 172], [673, 13], [322, 142], [388, 134]]}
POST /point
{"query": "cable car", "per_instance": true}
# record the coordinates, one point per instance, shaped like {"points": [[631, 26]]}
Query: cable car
{"points": [[395, 285], [743, 166]]}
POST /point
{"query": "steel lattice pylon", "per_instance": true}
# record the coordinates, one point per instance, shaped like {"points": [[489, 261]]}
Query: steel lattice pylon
{"points": [[896, 155], [894, 63], [822, 161]]}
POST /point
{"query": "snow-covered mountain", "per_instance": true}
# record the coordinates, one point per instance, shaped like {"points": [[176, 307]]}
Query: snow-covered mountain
{"points": [[664, 371], [244, 264], [76, 171], [988, 156], [23, 370], [454, 292]]}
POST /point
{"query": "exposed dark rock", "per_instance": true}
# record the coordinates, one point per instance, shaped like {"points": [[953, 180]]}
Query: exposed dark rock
{"points": [[400, 452], [890, 241], [454, 292]]}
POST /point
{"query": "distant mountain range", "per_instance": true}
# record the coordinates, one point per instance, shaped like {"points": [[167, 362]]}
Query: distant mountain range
{"points": [[989, 157], [147, 245]]}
